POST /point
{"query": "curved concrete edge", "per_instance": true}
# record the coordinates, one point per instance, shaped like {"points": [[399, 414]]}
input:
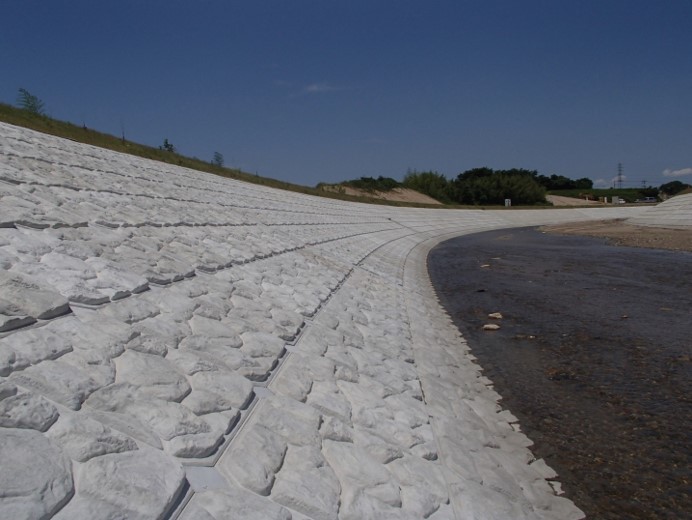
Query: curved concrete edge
{"points": [[675, 213], [460, 401]]}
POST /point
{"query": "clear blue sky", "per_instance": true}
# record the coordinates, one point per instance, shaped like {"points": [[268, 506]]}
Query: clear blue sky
{"points": [[320, 90]]}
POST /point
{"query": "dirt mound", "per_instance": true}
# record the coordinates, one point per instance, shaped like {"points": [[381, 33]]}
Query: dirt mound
{"points": [[559, 200], [397, 194]]}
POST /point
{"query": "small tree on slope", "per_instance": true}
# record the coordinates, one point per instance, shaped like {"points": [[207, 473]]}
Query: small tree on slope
{"points": [[27, 101]]}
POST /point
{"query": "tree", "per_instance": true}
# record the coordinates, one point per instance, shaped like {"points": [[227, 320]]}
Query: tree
{"points": [[217, 160], [673, 187], [27, 101], [584, 183], [560, 182], [432, 184], [485, 186], [167, 146], [370, 184], [475, 173]]}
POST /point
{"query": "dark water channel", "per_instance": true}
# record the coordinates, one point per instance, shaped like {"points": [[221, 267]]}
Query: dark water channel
{"points": [[593, 357]]}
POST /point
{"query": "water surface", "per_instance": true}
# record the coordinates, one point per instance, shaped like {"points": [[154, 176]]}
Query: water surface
{"points": [[593, 357]]}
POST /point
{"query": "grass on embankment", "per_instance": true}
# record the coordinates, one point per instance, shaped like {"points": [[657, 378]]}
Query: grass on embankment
{"points": [[64, 129]]}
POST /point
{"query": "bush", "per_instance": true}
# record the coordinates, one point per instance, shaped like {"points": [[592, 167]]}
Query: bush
{"points": [[370, 184], [673, 187], [481, 186], [432, 184]]}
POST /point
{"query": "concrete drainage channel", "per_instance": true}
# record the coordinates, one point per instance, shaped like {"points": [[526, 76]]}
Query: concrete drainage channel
{"points": [[213, 394]]}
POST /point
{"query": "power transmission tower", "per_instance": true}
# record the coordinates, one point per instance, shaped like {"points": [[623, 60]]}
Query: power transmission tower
{"points": [[619, 176]]}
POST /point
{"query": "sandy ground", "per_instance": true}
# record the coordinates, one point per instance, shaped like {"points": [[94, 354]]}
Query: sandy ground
{"points": [[398, 194], [620, 233], [558, 200]]}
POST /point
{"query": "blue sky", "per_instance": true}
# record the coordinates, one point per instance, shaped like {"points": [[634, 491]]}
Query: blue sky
{"points": [[315, 91]]}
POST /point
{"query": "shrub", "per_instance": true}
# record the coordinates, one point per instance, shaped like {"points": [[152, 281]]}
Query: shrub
{"points": [[484, 186], [432, 184], [370, 184]]}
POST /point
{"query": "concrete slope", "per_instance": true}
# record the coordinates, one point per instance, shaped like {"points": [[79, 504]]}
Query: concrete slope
{"points": [[675, 212], [179, 345]]}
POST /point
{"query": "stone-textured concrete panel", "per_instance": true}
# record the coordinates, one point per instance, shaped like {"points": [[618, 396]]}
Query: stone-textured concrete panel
{"points": [[151, 314]]}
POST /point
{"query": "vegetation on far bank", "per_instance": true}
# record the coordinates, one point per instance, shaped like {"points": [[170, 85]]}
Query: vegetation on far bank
{"points": [[475, 187], [488, 187]]}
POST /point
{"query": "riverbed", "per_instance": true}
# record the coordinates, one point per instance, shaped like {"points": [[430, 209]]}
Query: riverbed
{"points": [[593, 355]]}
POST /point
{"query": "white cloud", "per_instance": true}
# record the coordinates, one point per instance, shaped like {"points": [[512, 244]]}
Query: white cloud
{"points": [[677, 173], [602, 183], [318, 88]]}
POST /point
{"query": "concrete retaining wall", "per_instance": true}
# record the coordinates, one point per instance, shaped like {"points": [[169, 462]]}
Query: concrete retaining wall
{"points": [[676, 212]]}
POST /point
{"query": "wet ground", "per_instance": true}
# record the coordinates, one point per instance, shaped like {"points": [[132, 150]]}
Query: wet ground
{"points": [[593, 356]]}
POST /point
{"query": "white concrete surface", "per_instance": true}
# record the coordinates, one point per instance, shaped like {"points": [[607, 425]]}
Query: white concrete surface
{"points": [[675, 213], [179, 345]]}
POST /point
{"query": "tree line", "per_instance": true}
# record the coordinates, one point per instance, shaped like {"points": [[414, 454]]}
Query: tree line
{"points": [[485, 186], [481, 186]]}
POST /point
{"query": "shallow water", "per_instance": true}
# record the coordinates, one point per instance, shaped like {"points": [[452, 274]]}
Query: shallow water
{"points": [[593, 356]]}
